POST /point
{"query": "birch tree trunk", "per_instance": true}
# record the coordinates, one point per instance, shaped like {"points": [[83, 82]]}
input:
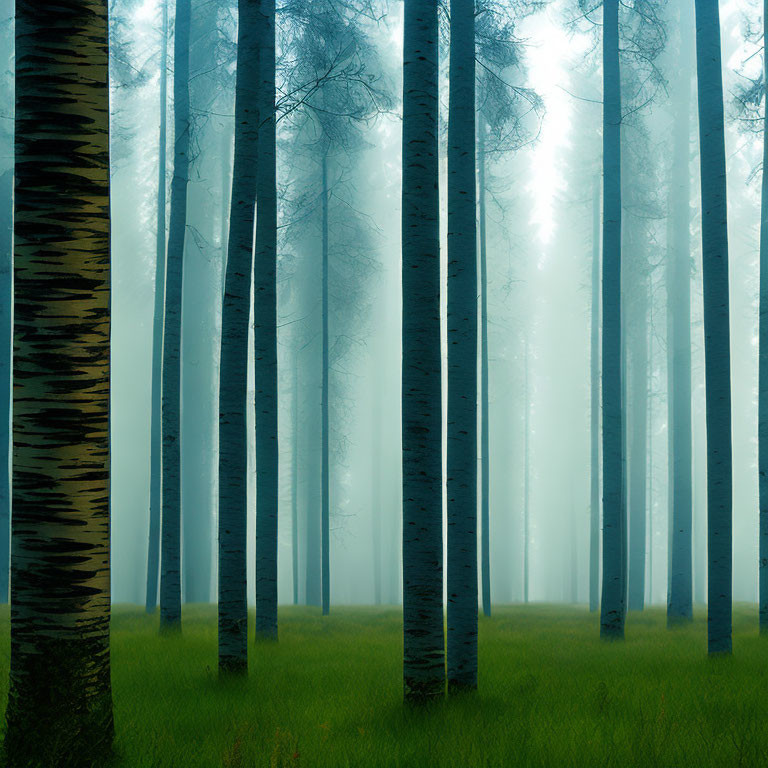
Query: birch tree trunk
{"points": [[717, 349], [461, 479], [594, 409], [526, 478], [6, 362], [763, 360], [613, 604], [265, 335], [155, 428], [423, 652], [325, 468], [170, 576], [680, 436], [233, 382], [60, 702], [485, 452]]}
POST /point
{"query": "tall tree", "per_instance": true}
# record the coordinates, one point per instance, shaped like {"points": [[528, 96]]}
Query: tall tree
{"points": [[594, 409], [170, 577], [717, 349], [613, 604], [156, 433], [461, 477], [423, 652], [680, 597], [60, 703], [763, 355], [265, 333], [233, 433]]}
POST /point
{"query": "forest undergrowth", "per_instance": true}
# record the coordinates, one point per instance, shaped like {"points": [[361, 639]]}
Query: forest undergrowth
{"points": [[328, 694]]}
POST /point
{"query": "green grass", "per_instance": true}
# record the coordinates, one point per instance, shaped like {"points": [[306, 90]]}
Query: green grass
{"points": [[329, 695]]}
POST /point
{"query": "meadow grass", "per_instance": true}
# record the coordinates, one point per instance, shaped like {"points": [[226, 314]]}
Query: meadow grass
{"points": [[329, 694]]}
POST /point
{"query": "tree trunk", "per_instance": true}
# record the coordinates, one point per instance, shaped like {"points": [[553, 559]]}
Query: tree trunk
{"points": [[680, 598], [594, 409], [233, 372], [763, 361], [613, 604], [60, 702], [376, 504], [423, 653], [461, 479], [295, 479], [717, 349], [325, 470], [265, 336], [170, 577], [638, 400], [6, 362], [526, 478], [155, 429], [485, 452]]}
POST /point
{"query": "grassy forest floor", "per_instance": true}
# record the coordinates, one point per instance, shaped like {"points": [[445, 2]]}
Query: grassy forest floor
{"points": [[329, 695]]}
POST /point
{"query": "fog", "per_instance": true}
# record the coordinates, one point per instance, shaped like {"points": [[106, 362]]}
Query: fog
{"points": [[542, 167]]}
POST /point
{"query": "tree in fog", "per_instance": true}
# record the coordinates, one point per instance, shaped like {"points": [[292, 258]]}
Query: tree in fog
{"points": [[233, 434], [333, 66], [461, 477], [613, 604], [170, 576], [423, 652], [714, 235], [680, 594], [763, 353], [265, 331], [507, 117], [60, 705], [155, 447]]}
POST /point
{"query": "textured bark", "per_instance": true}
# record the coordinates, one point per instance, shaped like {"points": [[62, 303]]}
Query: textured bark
{"points": [[155, 428], [233, 382], [265, 335], [461, 478], [485, 443], [60, 704], [325, 464], [594, 409], [680, 597], [717, 350], [763, 363], [170, 576], [6, 361], [613, 604], [423, 652]]}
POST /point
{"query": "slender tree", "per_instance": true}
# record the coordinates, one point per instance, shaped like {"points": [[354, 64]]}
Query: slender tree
{"points": [[613, 604], [526, 475], [680, 597], [170, 576], [6, 361], [717, 350], [461, 478], [423, 652], [233, 433], [60, 703], [594, 409], [485, 437], [155, 430], [265, 334], [763, 358]]}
